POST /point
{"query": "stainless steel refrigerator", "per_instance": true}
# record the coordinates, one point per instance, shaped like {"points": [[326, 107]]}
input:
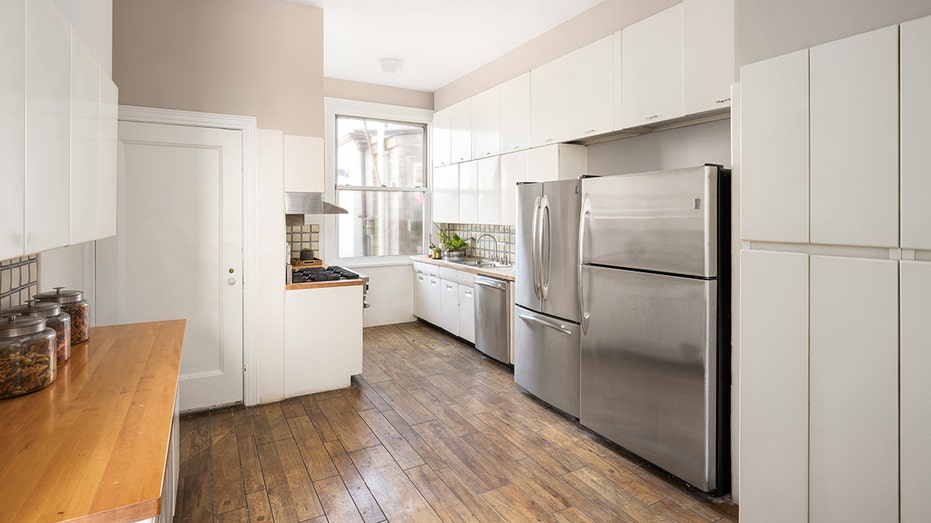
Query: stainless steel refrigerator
{"points": [[546, 315], [654, 298]]}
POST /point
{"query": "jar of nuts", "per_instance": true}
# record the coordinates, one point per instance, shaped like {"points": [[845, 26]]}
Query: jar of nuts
{"points": [[55, 319], [27, 355], [74, 304]]}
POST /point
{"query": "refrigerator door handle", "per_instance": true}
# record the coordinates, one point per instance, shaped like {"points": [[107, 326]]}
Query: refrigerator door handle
{"points": [[533, 319], [546, 246], [585, 215], [534, 248]]}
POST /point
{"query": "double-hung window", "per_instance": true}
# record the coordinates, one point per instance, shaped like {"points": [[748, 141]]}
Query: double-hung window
{"points": [[381, 180]]}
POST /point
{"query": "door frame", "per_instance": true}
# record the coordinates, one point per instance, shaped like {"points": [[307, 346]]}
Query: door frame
{"points": [[247, 125]]}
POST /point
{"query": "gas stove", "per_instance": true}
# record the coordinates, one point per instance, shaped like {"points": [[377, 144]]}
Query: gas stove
{"points": [[331, 273]]}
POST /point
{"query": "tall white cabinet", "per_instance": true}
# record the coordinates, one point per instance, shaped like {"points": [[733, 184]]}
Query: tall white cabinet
{"points": [[854, 140], [853, 438], [834, 336]]}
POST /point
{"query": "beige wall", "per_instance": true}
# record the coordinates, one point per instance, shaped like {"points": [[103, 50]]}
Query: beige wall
{"points": [[767, 28], [594, 24], [261, 58], [382, 94]]}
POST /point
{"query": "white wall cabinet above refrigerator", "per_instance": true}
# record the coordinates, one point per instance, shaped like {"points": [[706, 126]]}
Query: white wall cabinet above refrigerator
{"points": [[709, 54], [652, 69], [304, 164], [549, 100], [591, 89], [58, 141]]}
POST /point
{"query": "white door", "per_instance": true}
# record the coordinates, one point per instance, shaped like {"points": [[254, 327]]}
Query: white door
{"points": [[178, 250]]}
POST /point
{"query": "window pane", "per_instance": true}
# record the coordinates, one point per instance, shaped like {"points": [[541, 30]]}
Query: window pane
{"points": [[380, 223], [376, 153]]}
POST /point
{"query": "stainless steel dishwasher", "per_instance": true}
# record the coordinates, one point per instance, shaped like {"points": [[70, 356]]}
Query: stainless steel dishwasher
{"points": [[491, 317]]}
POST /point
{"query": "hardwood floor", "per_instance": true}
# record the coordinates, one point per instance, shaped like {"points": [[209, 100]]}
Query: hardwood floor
{"points": [[431, 431]]}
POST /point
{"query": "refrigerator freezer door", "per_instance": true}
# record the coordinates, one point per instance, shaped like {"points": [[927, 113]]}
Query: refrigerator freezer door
{"points": [[648, 368], [546, 359], [559, 217], [526, 290], [661, 221]]}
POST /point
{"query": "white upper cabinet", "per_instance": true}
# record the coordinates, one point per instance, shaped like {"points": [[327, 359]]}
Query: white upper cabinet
{"points": [[773, 386], [304, 164], [446, 194], [85, 142], [549, 91], [591, 89], [513, 171], [556, 162], [915, 113], [915, 391], [489, 191], [442, 137], [709, 54], [12, 124], [486, 116], [854, 390], [774, 149], [460, 119], [48, 125], [652, 69], [515, 114], [468, 192], [109, 142], [854, 140], [618, 80]]}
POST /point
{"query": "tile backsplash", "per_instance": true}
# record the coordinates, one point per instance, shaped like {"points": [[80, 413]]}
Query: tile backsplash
{"points": [[484, 248], [19, 280], [303, 237]]}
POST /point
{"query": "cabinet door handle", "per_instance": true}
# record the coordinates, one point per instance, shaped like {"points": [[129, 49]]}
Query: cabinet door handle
{"points": [[722, 100], [652, 117]]}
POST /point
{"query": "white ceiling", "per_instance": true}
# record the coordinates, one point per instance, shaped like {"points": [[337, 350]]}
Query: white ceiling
{"points": [[438, 40]]}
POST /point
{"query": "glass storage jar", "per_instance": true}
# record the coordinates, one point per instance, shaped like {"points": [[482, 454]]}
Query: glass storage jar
{"points": [[74, 304], [55, 319], [27, 355]]}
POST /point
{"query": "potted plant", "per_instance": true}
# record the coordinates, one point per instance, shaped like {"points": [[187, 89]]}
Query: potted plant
{"points": [[455, 246], [307, 254]]}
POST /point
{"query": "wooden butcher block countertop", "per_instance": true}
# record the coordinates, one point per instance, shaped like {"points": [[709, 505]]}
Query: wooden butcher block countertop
{"points": [[92, 446]]}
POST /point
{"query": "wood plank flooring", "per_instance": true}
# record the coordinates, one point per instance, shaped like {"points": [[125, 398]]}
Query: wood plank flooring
{"points": [[431, 431]]}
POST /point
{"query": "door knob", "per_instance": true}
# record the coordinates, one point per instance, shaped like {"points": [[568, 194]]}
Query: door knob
{"points": [[231, 281]]}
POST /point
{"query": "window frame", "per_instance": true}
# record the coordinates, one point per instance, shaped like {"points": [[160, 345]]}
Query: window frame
{"points": [[371, 111]]}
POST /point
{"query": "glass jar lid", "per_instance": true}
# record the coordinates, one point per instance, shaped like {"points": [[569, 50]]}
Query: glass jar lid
{"points": [[60, 295], [16, 325], [48, 309]]}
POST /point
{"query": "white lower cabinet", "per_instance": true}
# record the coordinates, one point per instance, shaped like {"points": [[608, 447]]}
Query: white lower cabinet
{"points": [[466, 313], [915, 390], [323, 339], [854, 390], [773, 386], [434, 297], [420, 291], [449, 306]]}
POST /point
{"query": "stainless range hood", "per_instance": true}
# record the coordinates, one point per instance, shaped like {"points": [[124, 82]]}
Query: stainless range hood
{"points": [[309, 203]]}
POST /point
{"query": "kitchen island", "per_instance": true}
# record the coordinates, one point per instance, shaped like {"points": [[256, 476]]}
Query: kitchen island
{"points": [[100, 443]]}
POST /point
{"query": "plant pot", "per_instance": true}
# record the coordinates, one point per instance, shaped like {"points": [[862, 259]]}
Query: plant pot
{"points": [[307, 255], [454, 255]]}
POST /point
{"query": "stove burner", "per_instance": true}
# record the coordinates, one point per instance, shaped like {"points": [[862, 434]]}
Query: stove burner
{"points": [[313, 274]]}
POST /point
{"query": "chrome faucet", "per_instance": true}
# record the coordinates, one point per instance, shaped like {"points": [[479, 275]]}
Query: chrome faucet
{"points": [[495, 258]]}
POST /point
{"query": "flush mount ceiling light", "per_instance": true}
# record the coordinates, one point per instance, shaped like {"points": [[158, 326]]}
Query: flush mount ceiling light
{"points": [[392, 65]]}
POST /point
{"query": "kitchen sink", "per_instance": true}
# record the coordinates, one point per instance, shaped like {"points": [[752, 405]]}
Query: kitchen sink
{"points": [[481, 264]]}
